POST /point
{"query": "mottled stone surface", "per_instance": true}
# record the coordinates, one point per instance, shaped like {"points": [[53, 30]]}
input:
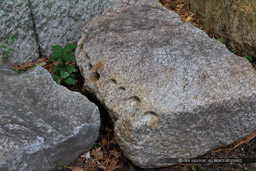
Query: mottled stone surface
{"points": [[16, 20], [233, 21], [41, 122], [171, 91], [61, 21]]}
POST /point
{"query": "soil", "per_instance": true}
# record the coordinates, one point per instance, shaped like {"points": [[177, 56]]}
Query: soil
{"points": [[106, 154]]}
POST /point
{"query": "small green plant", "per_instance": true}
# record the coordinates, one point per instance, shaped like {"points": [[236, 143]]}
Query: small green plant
{"points": [[221, 40], [193, 168], [96, 145], [60, 167], [249, 58], [63, 72], [19, 71], [6, 46], [233, 51]]}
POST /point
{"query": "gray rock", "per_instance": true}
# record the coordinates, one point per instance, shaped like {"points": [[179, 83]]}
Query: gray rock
{"points": [[16, 20], [61, 21], [171, 91], [41, 122]]}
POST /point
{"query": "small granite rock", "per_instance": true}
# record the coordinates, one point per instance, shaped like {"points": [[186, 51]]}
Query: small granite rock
{"points": [[41, 122], [171, 91]]}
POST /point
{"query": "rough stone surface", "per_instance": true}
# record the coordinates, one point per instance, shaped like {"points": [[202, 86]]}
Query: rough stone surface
{"points": [[61, 21], [233, 21], [16, 20], [171, 91], [41, 122]]}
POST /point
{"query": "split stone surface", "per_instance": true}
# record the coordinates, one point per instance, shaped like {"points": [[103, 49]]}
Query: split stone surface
{"points": [[41, 122], [40, 24], [61, 21], [16, 20], [171, 91]]}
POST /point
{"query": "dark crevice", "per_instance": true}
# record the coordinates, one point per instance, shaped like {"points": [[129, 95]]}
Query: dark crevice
{"points": [[90, 66], [104, 114], [150, 113], [135, 98], [34, 28], [114, 81], [97, 75], [121, 88]]}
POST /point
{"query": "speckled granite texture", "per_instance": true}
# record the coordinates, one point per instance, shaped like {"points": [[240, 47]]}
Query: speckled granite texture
{"points": [[41, 122], [40, 24], [171, 91]]}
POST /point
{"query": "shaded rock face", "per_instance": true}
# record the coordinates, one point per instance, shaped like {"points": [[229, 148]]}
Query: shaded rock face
{"points": [[41, 122], [16, 20], [61, 21], [171, 91], [234, 21], [40, 24]]}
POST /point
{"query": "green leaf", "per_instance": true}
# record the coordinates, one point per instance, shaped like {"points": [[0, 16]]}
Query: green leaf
{"points": [[69, 47], [57, 54], [70, 68], [7, 37], [70, 81], [233, 51], [64, 74], [65, 57], [249, 58], [11, 42], [13, 37], [58, 81], [11, 49], [58, 162], [221, 40], [57, 48], [6, 42], [5, 53], [3, 46], [56, 68], [193, 168], [73, 59], [55, 77], [60, 61]]}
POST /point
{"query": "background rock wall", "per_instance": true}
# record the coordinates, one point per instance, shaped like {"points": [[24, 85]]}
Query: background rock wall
{"points": [[16, 20], [40, 24], [61, 21], [233, 21]]}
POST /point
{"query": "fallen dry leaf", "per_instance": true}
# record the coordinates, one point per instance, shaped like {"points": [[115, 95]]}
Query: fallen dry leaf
{"points": [[104, 141], [188, 18], [115, 153], [180, 5], [76, 168]]}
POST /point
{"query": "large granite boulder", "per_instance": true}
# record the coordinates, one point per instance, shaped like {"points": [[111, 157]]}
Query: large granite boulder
{"points": [[16, 20], [61, 21], [171, 91], [233, 21], [41, 122]]}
